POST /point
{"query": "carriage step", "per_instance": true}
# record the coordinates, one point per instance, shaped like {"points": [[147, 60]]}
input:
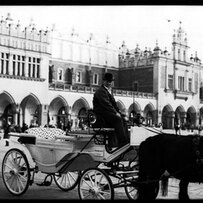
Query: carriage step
{"points": [[126, 172]]}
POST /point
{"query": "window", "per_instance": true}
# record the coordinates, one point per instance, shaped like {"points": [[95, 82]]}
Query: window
{"points": [[178, 54], [34, 67], [7, 64], [170, 81], [60, 74], [18, 65], [95, 79], [4, 63], [190, 84], [79, 77], [23, 65], [184, 56], [181, 83]]}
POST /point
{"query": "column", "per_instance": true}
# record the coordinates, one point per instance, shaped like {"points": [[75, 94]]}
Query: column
{"points": [[3, 64], [16, 115], [172, 116], [21, 68], [10, 65], [73, 75], [43, 115], [40, 66], [156, 116], [166, 76], [26, 66], [186, 81], [183, 117]]}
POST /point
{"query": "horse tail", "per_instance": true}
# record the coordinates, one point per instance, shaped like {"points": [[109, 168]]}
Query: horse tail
{"points": [[164, 183]]}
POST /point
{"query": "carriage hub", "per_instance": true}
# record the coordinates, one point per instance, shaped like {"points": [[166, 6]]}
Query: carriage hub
{"points": [[14, 171], [94, 190]]}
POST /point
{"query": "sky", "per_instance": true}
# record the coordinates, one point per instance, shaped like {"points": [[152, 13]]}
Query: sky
{"points": [[134, 24]]}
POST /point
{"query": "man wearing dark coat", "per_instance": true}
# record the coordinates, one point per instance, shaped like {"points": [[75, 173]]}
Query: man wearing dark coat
{"points": [[105, 107]]}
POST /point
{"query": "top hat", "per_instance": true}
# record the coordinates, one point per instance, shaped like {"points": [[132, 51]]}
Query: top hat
{"points": [[108, 77]]}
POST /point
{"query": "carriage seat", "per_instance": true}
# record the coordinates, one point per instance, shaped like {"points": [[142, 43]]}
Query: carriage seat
{"points": [[46, 133], [102, 127]]}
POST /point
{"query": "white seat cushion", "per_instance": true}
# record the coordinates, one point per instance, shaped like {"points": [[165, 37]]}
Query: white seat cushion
{"points": [[45, 133]]}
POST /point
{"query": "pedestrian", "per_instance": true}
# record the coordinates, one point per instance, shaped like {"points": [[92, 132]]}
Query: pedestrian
{"points": [[24, 127], [177, 129], [105, 108], [7, 130]]}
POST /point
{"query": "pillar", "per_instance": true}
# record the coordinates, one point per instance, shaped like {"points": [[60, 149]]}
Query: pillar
{"points": [[17, 115], [26, 66], [157, 116], [183, 117], [172, 116], [43, 115]]}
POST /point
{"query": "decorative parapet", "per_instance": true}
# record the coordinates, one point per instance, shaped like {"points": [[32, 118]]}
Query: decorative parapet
{"points": [[21, 77], [13, 35], [86, 89]]}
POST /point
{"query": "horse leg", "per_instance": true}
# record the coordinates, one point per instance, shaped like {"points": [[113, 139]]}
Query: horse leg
{"points": [[183, 190]]}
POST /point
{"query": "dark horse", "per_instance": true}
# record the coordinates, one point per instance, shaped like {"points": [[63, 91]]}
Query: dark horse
{"points": [[169, 155]]}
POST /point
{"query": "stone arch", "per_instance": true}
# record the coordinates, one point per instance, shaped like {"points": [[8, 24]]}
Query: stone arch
{"points": [[179, 115], [30, 110], [149, 114], [121, 106], [79, 112], [7, 109], [167, 117], [191, 117], [134, 109], [58, 114]]}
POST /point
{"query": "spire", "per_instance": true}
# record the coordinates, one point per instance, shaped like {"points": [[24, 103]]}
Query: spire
{"points": [[157, 47], [107, 39], [8, 18], [90, 37], [31, 22]]}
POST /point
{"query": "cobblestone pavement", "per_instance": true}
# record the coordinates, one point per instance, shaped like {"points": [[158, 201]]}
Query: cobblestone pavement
{"points": [[195, 190]]}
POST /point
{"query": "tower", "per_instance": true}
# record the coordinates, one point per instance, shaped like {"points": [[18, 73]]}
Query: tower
{"points": [[180, 46]]}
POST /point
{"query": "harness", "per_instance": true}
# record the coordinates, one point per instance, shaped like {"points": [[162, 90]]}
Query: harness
{"points": [[199, 160], [166, 174]]}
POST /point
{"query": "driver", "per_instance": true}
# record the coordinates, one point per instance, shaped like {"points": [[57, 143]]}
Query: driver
{"points": [[104, 106]]}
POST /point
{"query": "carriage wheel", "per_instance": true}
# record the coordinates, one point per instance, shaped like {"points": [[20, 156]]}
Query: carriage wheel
{"points": [[16, 172], [132, 190], [95, 184], [67, 181]]}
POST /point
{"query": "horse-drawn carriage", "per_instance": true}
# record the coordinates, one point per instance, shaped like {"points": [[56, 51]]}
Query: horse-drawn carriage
{"points": [[88, 160], [82, 158]]}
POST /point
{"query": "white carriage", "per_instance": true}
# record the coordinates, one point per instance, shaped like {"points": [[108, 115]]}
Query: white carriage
{"points": [[77, 158]]}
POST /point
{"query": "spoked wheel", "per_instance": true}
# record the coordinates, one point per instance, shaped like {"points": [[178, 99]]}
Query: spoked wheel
{"points": [[95, 184], [131, 189], [16, 172], [67, 181], [132, 192]]}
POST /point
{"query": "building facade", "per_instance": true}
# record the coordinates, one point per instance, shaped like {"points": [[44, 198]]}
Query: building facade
{"points": [[175, 79], [47, 78]]}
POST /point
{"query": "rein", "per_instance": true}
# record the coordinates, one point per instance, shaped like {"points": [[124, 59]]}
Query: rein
{"points": [[154, 130]]}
